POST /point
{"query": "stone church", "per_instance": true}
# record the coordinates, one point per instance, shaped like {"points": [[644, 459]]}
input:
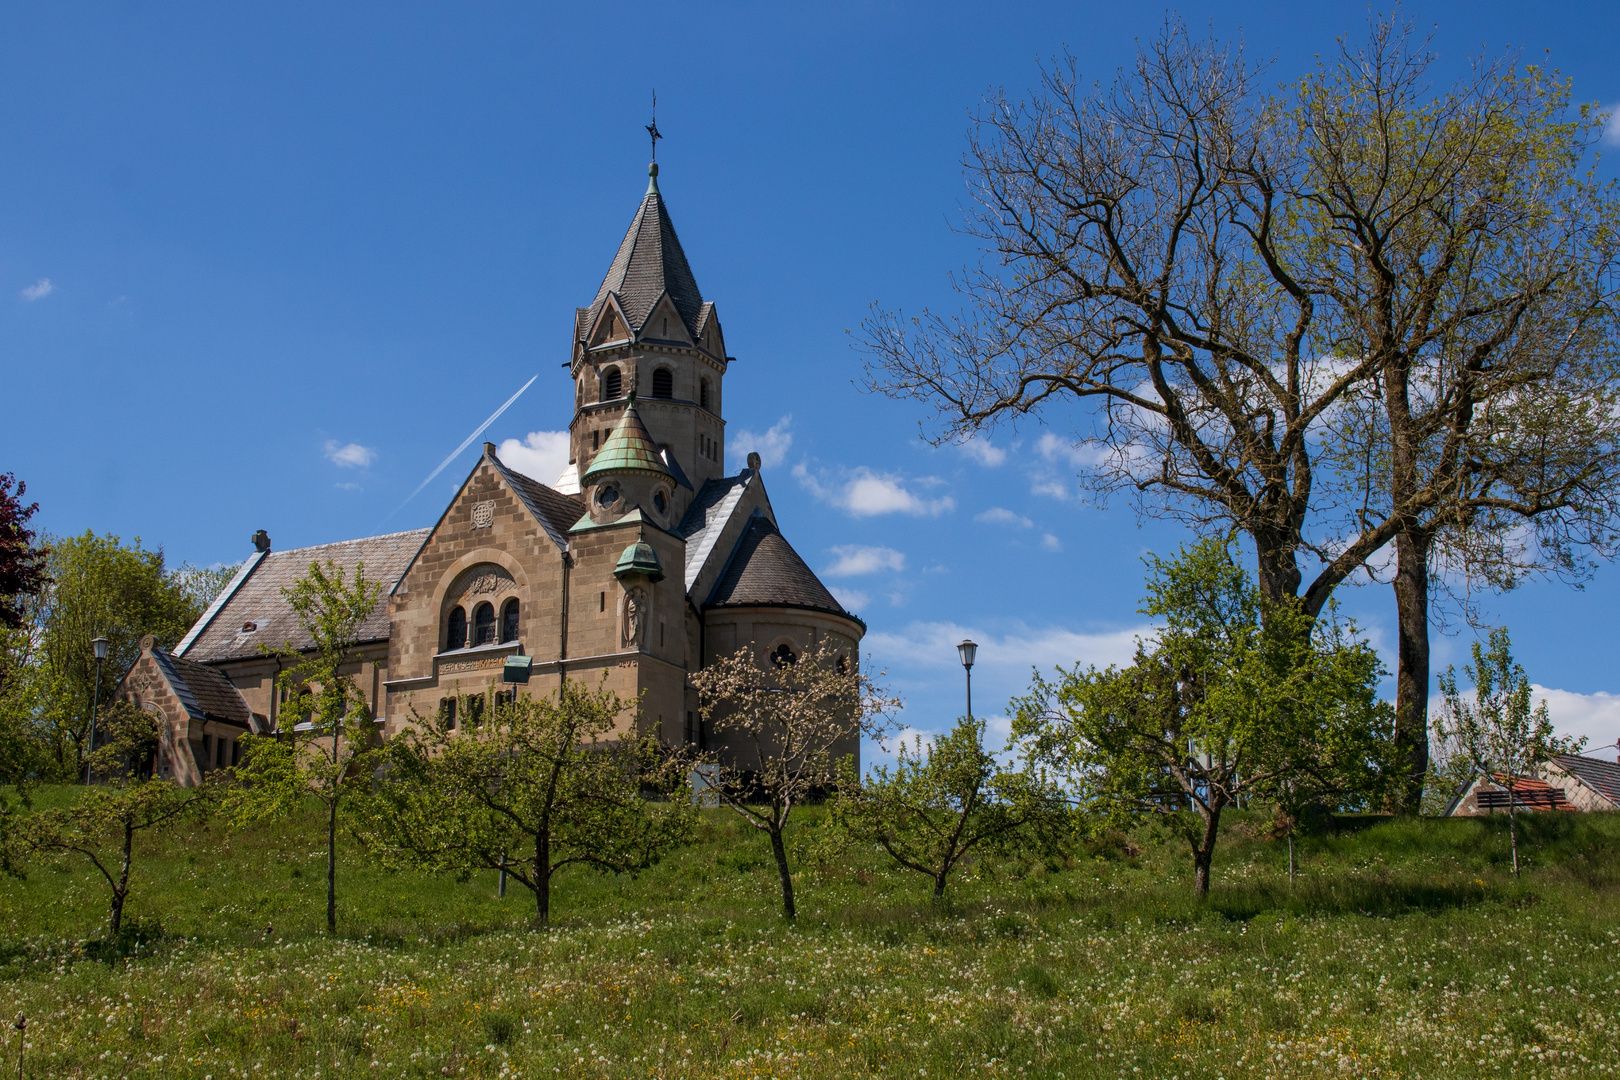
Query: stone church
{"points": [[644, 560]]}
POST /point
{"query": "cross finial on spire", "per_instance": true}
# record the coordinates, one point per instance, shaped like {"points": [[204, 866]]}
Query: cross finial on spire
{"points": [[652, 128]]}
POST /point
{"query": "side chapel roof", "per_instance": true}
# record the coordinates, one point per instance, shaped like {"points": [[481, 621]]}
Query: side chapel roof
{"points": [[648, 264], [203, 691], [766, 571], [256, 613]]}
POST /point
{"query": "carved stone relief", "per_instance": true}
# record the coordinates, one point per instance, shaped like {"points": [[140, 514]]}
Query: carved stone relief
{"points": [[482, 581], [483, 514]]}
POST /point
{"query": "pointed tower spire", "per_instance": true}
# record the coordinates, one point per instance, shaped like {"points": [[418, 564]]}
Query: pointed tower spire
{"points": [[648, 264]]}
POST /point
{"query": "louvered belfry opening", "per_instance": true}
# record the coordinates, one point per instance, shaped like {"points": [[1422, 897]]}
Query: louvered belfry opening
{"points": [[663, 383], [612, 384]]}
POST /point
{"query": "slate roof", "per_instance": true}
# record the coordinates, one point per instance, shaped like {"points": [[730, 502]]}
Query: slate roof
{"points": [[628, 447], [1601, 776], [706, 518], [765, 571], [649, 263], [258, 599], [203, 691], [555, 511]]}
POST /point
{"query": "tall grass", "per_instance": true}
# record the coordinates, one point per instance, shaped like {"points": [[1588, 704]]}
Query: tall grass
{"points": [[1404, 949]]}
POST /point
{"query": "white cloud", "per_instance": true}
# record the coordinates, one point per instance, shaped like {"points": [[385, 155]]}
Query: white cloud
{"points": [[772, 446], [864, 493], [980, 449], [1611, 126], [998, 515], [1051, 486], [1050, 542], [349, 455], [541, 455], [1052, 448], [857, 559], [852, 599], [38, 290], [348, 486], [934, 645], [1596, 716]]}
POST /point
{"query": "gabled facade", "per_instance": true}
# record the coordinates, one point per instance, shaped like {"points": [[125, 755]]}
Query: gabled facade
{"points": [[639, 565]]}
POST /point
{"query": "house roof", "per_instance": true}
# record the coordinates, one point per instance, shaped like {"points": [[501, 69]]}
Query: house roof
{"points": [[555, 511], [765, 571], [257, 600], [1601, 776], [628, 448], [649, 263], [203, 691]]}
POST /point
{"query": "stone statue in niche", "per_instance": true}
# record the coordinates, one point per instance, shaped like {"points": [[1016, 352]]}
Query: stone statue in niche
{"points": [[635, 616]]}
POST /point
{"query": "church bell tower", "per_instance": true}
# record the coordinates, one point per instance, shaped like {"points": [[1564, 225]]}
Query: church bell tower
{"points": [[650, 338]]}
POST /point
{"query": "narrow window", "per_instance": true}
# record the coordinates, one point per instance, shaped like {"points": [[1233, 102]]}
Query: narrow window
{"points": [[447, 710], [660, 633], [663, 383], [601, 601], [611, 383], [220, 747], [208, 750], [456, 636], [475, 710], [509, 620], [236, 754], [596, 440], [703, 393], [484, 624]]}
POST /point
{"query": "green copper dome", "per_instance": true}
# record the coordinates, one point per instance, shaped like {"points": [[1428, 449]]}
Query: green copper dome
{"points": [[639, 558], [629, 448]]}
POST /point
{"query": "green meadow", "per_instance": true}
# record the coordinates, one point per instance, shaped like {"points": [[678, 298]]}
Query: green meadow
{"points": [[1404, 948]]}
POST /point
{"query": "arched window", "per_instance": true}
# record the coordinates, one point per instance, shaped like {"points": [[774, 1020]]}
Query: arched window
{"points": [[784, 656], [663, 383], [612, 383], [509, 620], [703, 393], [456, 636], [484, 624]]}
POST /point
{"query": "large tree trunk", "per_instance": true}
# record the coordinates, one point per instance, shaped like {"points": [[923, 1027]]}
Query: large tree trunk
{"points": [[1412, 674], [779, 849]]}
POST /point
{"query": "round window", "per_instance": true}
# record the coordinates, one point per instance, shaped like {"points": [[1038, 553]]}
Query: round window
{"points": [[607, 496], [660, 502]]}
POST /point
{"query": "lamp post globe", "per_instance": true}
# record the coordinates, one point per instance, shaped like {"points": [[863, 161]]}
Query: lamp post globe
{"points": [[968, 651], [98, 645]]}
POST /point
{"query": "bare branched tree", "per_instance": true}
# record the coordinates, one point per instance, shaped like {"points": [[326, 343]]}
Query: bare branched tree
{"points": [[1340, 318]]}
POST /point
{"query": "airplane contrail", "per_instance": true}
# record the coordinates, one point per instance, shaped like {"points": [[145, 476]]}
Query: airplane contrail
{"points": [[494, 416]]}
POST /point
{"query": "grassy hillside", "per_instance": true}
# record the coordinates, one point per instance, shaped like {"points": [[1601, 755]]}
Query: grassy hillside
{"points": [[1404, 949]]}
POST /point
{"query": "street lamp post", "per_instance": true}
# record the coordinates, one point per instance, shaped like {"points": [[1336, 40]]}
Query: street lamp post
{"points": [[967, 651], [99, 644]]}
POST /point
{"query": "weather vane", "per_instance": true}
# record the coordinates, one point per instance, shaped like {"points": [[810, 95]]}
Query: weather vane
{"points": [[652, 128]]}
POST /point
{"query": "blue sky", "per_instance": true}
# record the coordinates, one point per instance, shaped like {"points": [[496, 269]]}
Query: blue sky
{"points": [[265, 265]]}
